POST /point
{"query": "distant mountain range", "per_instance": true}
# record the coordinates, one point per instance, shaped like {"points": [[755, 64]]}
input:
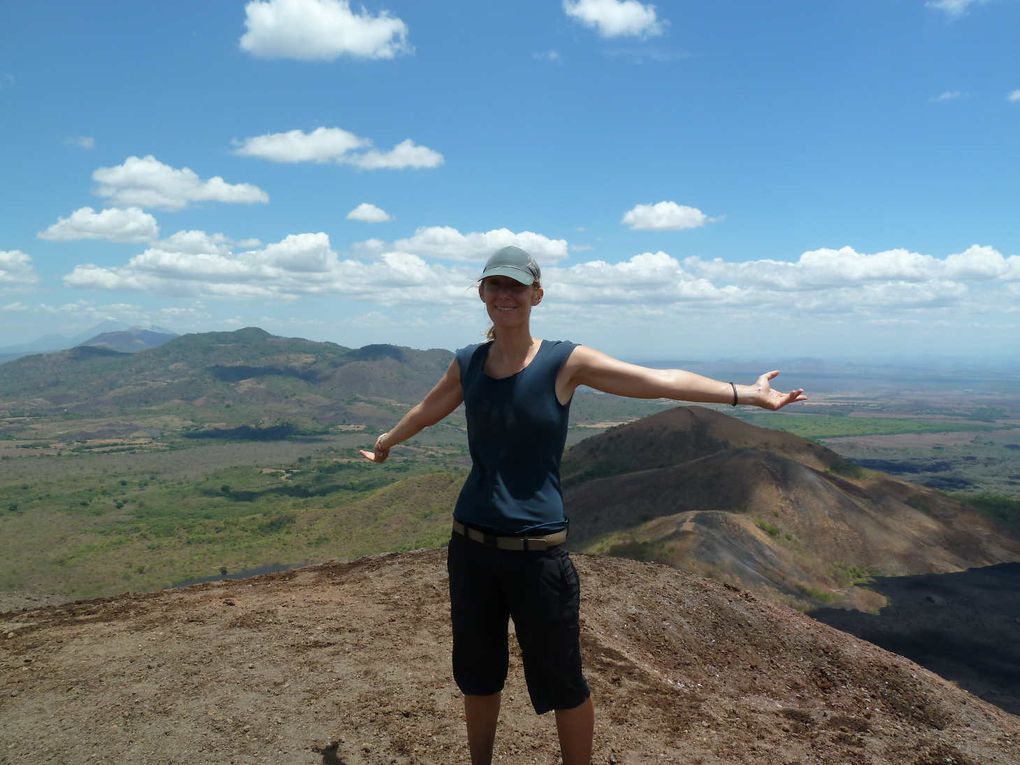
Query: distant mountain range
{"points": [[240, 377], [764, 509], [114, 334], [131, 340]]}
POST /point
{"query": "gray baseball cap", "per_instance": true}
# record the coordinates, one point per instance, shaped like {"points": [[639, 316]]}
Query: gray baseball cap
{"points": [[513, 262]]}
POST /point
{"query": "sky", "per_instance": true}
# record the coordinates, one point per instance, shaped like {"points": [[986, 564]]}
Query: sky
{"points": [[834, 179]]}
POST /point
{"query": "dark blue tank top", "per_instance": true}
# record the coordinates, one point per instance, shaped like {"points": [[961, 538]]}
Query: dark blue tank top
{"points": [[517, 429]]}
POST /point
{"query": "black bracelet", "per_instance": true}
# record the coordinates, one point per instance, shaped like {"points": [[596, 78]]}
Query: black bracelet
{"points": [[734, 394]]}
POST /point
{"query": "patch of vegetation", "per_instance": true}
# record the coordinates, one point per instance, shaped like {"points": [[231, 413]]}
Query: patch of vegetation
{"points": [[851, 574], [817, 594], [848, 468], [278, 432], [769, 528], [818, 426], [999, 507]]}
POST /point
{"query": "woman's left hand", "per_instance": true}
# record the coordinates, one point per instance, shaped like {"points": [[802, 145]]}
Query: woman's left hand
{"points": [[768, 398]]}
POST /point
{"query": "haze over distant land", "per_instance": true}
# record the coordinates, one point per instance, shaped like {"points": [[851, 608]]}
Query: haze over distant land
{"points": [[706, 182]]}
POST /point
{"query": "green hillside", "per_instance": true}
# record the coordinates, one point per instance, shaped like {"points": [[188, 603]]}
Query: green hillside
{"points": [[241, 377]]}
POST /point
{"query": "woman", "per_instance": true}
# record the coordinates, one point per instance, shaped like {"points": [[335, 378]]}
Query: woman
{"points": [[506, 556]]}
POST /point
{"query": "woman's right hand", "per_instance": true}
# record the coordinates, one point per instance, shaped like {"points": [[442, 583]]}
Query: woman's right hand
{"points": [[382, 451]]}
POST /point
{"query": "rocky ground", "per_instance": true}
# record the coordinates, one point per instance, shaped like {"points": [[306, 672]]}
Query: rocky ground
{"points": [[349, 663]]}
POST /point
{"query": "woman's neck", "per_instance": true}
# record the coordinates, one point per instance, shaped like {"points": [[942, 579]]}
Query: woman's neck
{"points": [[511, 344]]}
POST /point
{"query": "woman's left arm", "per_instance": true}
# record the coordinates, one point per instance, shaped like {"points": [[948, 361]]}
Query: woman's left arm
{"points": [[586, 366]]}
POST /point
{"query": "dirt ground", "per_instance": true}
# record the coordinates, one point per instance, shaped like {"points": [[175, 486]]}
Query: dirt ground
{"points": [[349, 663]]}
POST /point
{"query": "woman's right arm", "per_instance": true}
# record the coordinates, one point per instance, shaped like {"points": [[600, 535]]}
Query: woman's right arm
{"points": [[440, 401]]}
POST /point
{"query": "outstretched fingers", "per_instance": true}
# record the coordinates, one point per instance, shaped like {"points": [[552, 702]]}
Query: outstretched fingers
{"points": [[373, 456], [791, 397]]}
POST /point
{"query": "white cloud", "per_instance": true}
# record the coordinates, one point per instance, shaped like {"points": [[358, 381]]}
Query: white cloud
{"points": [[840, 284], [616, 18], [14, 308], [665, 215], [317, 30], [947, 95], [82, 142], [300, 264], [369, 213], [147, 182], [447, 243], [405, 154], [824, 281], [321, 145], [130, 224], [655, 278], [953, 8], [337, 145], [16, 268], [196, 242], [1014, 96]]}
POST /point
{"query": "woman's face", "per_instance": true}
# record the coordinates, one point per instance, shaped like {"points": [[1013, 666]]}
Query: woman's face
{"points": [[507, 301]]}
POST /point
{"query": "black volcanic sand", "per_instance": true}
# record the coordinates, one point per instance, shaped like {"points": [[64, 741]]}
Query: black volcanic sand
{"points": [[963, 626]]}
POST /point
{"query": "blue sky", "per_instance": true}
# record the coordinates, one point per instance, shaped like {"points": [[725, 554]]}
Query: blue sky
{"points": [[698, 180]]}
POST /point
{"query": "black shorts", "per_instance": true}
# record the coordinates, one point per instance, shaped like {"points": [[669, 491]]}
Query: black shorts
{"points": [[541, 592]]}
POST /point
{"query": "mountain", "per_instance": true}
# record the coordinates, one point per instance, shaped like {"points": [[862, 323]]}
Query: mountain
{"points": [[349, 663], [764, 509], [233, 377], [131, 340], [52, 342]]}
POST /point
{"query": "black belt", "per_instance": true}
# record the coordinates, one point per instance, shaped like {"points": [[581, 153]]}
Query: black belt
{"points": [[511, 543]]}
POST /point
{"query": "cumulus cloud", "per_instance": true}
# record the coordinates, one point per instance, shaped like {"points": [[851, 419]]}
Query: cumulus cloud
{"points": [[369, 213], [616, 18], [447, 243], [147, 182], [320, 145], [405, 154], [838, 283], [947, 95], [320, 30], [337, 145], [954, 8], [131, 224], [1014, 96], [652, 277], [299, 264], [16, 268], [665, 215], [823, 281]]}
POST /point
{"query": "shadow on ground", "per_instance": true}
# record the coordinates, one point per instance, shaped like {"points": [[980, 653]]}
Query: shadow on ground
{"points": [[963, 626]]}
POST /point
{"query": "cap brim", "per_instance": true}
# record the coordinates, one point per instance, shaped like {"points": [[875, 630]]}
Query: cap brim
{"points": [[517, 274]]}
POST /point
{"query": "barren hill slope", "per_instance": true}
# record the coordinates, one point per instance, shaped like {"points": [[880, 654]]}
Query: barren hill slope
{"points": [[762, 508], [349, 663]]}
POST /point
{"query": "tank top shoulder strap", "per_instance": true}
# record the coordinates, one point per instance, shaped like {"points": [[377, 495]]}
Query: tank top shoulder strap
{"points": [[558, 354], [470, 360]]}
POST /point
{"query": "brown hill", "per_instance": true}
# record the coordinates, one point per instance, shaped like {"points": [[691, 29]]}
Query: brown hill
{"points": [[763, 509], [349, 663]]}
